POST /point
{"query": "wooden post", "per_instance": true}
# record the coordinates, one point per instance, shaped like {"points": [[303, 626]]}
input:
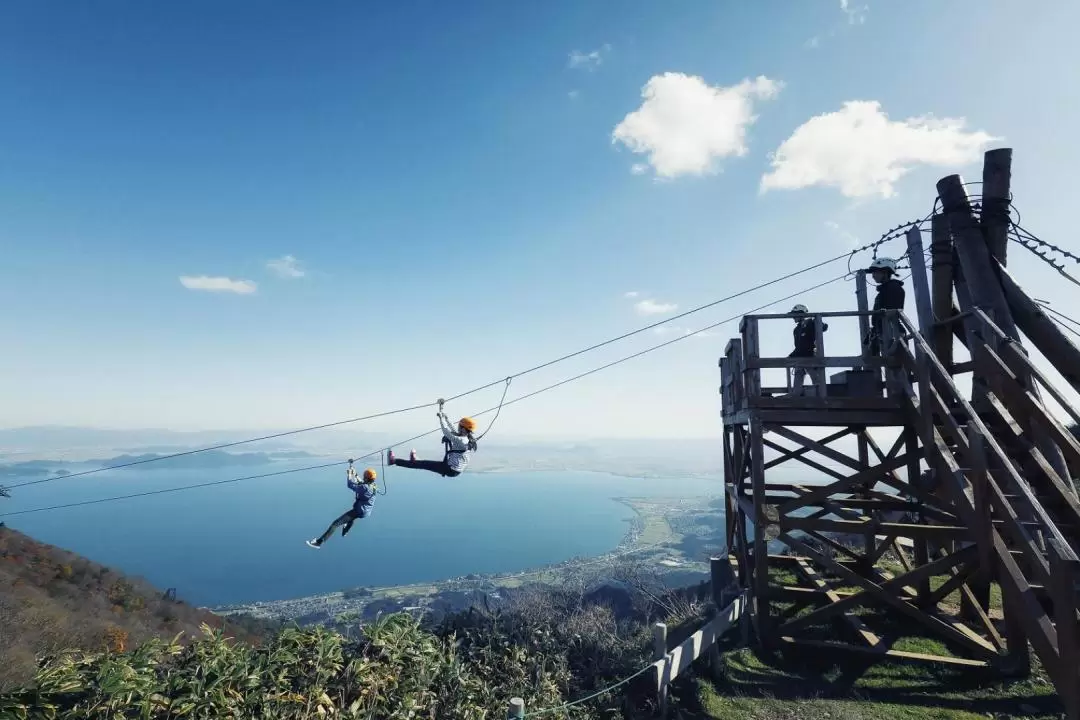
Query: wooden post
{"points": [[517, 709], [997, 176], [977, 467], [817, 374], [1065, 575], [1043, 332], [942, 254], [919, 282], [659, 653], [761, 545], [975, 259], [864, 306], [987, 292]]}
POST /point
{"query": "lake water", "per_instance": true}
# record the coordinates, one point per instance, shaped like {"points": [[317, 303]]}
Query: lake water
{"points": [[245, 541]]}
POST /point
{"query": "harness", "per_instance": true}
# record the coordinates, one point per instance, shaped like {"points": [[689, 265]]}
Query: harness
{"points": [[449, 451]]}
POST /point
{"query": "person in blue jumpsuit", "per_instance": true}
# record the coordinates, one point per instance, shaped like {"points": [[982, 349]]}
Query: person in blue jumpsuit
{"points": [[362, 504]]}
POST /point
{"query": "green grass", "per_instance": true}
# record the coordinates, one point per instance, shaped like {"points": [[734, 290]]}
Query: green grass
{"points": [[812, 684]]}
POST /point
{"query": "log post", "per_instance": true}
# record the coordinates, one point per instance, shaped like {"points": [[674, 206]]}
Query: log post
{"points": [[942, 277], [1043, 332], [919, 282], [975, 260], [864, 307], [516, 709], [659, 653], [997, 177]]}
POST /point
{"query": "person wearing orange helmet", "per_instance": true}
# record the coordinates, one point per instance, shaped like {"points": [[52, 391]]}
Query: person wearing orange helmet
{"points": [[459, 443], [362, 504]]}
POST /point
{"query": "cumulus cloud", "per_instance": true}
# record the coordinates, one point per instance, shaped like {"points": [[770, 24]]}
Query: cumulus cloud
{"points": [[218, 284], [589, 61], [286, 266], [684, 126], [631, 294], [860, 151], [652, 307]]}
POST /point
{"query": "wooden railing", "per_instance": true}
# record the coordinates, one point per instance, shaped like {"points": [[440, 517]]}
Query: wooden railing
{"points": [[742, 362], [994, 494], [668, 664]]}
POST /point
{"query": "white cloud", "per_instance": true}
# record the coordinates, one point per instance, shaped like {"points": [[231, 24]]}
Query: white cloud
{"points": [[286, 266], [588, 61], [685, 125], [218, 284], [652, 307], [573, 94], [855, 15], [639, 168], [813, 43], [631, 294], [859, 150], [832, 225]]}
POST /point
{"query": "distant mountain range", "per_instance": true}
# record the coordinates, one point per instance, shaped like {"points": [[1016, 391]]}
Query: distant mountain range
{"points": [[41, 451], [204, 460]]}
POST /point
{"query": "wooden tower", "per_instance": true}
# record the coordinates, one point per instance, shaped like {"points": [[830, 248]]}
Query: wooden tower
{"points": [[974, 495]]}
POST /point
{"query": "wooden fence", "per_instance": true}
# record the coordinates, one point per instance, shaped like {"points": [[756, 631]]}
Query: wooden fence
{"points": [[669, 664]]}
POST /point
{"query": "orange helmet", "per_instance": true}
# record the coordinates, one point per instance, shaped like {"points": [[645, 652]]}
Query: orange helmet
{"points": [[467, 423], [369, 475]]}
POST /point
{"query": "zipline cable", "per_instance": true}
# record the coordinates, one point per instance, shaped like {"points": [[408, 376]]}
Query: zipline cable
{"points": [[477, 389], [338, 463]]}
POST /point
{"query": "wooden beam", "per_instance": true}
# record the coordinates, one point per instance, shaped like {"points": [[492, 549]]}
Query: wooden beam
{"points": [[856, 624], [893, 654], [921, 286], [803, 450], [942, 279], [881, 592], [909, 530], [997, 177], [793, 455], [869, 475]]}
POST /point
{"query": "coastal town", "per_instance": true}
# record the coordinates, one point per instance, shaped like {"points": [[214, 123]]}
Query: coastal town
{"points": [[668, 539]]}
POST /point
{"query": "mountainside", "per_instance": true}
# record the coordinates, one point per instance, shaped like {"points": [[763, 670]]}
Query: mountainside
{"points": [[52, 599]]}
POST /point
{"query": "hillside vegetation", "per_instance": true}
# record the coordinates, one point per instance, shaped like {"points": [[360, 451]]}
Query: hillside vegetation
{"points": [[51, 599]]}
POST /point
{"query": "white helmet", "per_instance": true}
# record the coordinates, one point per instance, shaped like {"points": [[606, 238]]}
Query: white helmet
{"points": [[884, 263], [800, 308]]}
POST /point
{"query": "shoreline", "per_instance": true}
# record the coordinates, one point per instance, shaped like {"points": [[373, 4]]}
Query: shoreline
{"points": [[348, 599]]}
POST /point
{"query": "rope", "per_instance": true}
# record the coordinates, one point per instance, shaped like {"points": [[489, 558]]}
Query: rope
{"points": [[1059, 317], [553, 386], [158, 458], [497, 411], [382, 467], [597, 694], [477, 389]]}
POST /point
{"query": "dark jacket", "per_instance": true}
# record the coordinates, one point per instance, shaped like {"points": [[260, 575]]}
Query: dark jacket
{"points": [[890, 296], [806, 338]]}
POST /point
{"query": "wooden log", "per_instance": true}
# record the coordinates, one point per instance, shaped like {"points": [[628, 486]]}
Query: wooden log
{"points": [[516, 709], [974, 257], [923, 306], [942, 277], [761, 560], [1043, 332], [864, 307], [659, 655], [997, 177]]}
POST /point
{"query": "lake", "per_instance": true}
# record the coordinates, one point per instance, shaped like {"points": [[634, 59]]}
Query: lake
{"points": [[244, 542]]}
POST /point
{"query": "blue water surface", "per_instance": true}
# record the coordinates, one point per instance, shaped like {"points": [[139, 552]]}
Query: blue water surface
{"points": [[245, 541]]}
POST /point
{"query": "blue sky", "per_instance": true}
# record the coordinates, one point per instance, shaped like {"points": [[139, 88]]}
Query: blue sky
{"points": [[410, 199]]}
